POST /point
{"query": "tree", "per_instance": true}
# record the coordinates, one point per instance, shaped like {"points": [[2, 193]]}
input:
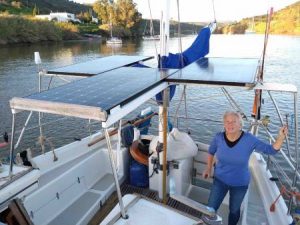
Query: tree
{"points": [[123, 13], [85, 17], [127, 14], [104, 10]]}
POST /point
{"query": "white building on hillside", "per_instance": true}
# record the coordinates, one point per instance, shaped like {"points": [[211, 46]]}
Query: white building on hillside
{"points": [[95, 20], [60, 17]]}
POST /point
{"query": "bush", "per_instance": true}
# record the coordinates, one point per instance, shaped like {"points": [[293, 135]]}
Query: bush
{"points": [[69, 31], [16, 4], [21, 29]]}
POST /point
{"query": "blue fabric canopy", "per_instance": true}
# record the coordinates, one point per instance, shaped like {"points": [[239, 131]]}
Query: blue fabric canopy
{"points": [[197, 50]]}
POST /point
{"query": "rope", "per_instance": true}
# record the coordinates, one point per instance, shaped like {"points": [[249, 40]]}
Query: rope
{"points": [[292, 122], [284, 192], [272, 207], [185, 109], [42, 140], [287, 193]]}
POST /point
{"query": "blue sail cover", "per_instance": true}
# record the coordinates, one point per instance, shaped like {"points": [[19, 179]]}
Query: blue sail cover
{"points": [[197, 50]]}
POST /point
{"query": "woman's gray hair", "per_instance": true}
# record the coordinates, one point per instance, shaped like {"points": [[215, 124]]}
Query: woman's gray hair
{"points": [[236, 114]]}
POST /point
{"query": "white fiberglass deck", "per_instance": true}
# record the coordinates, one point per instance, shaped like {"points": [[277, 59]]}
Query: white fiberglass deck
{"points": [[154, 213]]}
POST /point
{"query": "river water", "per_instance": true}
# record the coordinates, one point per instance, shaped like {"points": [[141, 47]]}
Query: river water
{"points": [[18, 77]]}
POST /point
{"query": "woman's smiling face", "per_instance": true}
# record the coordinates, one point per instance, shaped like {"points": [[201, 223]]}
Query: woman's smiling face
{"points": [[232, 124]]}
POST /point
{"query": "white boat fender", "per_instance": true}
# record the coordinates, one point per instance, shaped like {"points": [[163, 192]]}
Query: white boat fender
{"points": [[179, 145]]}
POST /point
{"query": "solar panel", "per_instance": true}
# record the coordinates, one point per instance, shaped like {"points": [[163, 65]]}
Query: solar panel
{"points": [[95, 95], [110, 95], [218, 71], [97, 66]]}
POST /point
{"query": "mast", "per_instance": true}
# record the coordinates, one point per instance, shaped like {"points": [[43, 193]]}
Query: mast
{"points": [[158, 180], [258, 93], [163, 109], [110, 18], [165, 29]]}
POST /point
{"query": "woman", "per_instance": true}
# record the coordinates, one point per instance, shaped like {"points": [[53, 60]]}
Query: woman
{"points": [[232, 149]]}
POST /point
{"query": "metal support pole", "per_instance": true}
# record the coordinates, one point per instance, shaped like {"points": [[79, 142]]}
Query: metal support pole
{"points": [[23, 129], [296, 151], [296, 129], [164, 38], [119, 144], [286, 158], [40, 114], [281, 121], [113, 167], [165, 132], [12, 146]]}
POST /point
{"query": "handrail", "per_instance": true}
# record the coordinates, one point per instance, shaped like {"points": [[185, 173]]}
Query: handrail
{"points": [[115, 130], [278, 168], [283, 154], [194, 118], [281, 121]]}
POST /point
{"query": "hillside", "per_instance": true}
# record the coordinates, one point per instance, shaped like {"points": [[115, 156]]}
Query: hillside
{"points": [[43, 6], [186, 28], [284, 21]]}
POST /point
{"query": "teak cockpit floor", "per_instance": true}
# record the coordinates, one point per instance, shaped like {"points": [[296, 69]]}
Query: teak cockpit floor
{"points": [[153, 195]]}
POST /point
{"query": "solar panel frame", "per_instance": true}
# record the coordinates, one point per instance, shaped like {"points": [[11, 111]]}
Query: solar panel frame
{"points": [[94, 96], [240, 72], [90, 68], [123, 86]]}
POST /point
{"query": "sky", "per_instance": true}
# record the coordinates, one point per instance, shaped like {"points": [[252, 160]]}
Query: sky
{"points": [[202, 10]]}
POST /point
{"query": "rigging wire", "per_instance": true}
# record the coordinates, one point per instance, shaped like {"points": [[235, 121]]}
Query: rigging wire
{"points": [[234, 105], [177, 108], [181, 65], [179, 34], [152, 28]]}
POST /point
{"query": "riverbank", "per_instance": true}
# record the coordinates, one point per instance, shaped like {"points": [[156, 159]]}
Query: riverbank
{"points": [[26, 29]]}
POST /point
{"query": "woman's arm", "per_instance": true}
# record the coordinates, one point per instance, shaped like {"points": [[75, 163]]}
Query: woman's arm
{"points": [[283, 131], [207, 172], [210, 159]]}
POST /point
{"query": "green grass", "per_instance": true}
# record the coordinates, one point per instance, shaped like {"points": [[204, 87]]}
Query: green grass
{"points": [[16, 11], [90, 28]]}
